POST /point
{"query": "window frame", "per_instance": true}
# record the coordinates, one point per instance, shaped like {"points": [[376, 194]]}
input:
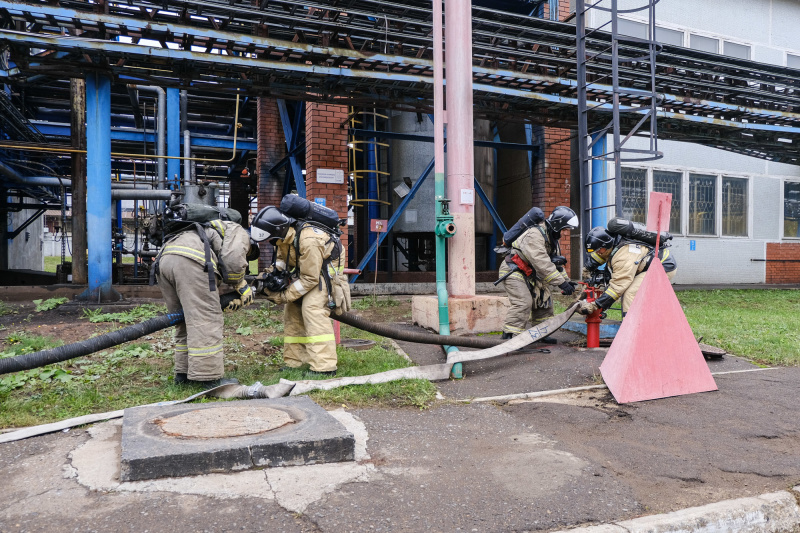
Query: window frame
{"points": [[782, 219], [719, 177]]}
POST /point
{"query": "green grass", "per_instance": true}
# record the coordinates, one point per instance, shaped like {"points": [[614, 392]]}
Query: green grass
{"points": [[372, 301], [761, 325], [132, 316], [7, 309], [51, 262], [139, 373]]}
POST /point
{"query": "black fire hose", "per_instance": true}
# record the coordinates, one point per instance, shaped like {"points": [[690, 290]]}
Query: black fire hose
{"points": [[101, 342], [416, 336], [70, 351]]}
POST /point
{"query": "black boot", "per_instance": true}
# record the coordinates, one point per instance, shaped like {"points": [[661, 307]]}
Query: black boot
{"points": [[324, 375], [181, 379]]}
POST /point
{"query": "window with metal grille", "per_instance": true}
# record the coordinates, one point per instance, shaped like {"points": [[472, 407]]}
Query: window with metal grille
{"points": [[634, 194], [665, 181], [791, 209], [702, 204], [734, 207]]}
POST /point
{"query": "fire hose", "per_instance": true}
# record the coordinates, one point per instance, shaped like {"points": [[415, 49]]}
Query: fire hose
{"points": [[129, 333]]}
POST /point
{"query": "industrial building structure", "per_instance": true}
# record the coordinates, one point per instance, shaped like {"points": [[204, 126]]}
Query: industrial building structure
{"points": [[243, 102]]}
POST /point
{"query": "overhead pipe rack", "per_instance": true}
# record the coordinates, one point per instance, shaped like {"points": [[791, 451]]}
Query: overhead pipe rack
{"points": [[377, 54]]}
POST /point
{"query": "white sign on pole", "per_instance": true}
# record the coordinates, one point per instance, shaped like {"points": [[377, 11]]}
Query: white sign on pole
{"points": [[467, 196], [330, 175]]}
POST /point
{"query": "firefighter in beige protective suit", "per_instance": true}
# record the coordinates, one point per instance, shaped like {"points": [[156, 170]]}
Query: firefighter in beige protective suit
{"points": [[302, 262], [626, 265], [533, 272], [186, 284]]}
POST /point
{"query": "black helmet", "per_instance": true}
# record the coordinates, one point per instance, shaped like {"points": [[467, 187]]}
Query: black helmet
{"points": [[270, 223], [598, 238], [561, 218]]}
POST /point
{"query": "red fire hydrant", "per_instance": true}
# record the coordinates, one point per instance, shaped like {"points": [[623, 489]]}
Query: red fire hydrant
{"points": [[592, 321]]}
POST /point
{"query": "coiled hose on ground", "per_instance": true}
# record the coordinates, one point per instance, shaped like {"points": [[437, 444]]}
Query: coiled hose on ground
{"points": [[127, 334]]}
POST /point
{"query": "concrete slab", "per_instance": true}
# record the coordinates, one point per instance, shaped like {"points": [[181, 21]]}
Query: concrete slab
{"points": [[187, 440], [475, 314]]}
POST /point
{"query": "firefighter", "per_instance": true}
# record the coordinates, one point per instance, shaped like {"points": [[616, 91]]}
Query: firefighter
{"points": [[533, 272], [308, 330], [185, 284], [626, 262]]}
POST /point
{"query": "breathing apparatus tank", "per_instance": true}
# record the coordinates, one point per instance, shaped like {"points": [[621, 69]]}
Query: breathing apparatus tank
{"points": [[300, 208], [635, 231], [531, 218]]}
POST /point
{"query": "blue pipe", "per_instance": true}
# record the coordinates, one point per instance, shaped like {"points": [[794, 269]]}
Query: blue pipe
{"points": [[98, 186], [173, 137], [599, 191]]}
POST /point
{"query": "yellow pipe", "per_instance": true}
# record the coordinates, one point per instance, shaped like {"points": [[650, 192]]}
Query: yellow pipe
{"points": [[139, 156]]}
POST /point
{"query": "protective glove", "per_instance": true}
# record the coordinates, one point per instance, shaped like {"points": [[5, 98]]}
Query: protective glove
{"points": [[274, 297], [587, 308], [246, 295], [566, 288], [233, 305], [258, 283]]}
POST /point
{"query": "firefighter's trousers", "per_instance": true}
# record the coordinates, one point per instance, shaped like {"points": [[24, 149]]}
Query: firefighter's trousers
{"points": [[529, 304], [308, 332], [198, 340]]}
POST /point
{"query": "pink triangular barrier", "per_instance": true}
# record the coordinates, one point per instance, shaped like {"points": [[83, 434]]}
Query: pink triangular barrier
{"points": [[654, 354]]}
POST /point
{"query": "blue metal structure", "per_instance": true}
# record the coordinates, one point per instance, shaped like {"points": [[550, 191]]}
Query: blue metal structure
{"points": [[291, 131], [174, 137], [98, 187], [599, 184]]}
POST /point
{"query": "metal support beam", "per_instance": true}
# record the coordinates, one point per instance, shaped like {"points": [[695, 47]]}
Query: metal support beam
{"points": [[492, 211], [358, 132], [291, 133], [80, 275], [392, 221], [173, 137], [98, 188], [12, 234]]}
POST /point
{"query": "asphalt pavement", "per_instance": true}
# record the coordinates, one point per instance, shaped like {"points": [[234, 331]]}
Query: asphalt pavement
{"points": [[576, 459]]}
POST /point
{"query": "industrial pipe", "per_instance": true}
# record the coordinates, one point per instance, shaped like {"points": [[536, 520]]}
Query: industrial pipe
{"points": [[141, 194], [187, 153], [161, 137]]}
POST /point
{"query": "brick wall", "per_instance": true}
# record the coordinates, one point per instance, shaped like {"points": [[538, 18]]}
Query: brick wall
{"points": [[779, 270], [326, 147], [563, 10], [271, 149], [551, 180]]}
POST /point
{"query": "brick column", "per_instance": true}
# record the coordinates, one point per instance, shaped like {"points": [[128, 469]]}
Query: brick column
{"points": [[551, 180], [782, 265], [271, 149], [326, 147]]}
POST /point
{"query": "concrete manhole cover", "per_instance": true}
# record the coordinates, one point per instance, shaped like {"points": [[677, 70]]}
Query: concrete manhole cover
{"points": [[189, 440], [222, 423], [357, 344]]}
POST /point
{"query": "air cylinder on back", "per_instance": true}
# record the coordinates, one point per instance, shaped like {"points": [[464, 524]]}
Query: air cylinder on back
{"points": [[300, 208], [635, 231], [528, 220]]}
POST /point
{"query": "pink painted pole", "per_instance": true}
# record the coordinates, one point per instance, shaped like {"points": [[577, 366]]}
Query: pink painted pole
{"points": [[438, 90], [460, 156]]}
